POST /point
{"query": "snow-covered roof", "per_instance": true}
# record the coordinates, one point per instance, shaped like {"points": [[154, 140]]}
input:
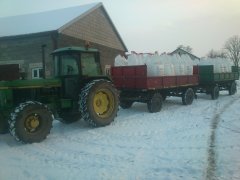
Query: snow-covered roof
{"points": [[43, 21]]}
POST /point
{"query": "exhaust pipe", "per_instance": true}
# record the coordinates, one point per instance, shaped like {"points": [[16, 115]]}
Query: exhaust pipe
{"points": [[43, 60]]}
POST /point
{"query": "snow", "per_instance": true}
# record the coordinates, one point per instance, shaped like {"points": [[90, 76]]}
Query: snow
{"points": [[43, 21], [181, 142]]}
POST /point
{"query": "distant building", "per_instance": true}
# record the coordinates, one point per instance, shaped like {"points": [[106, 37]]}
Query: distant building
{"points": [[25, 39], [180, 52]]}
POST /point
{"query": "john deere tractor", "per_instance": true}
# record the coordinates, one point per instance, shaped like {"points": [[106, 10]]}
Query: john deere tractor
{"points": [[79, 90]]}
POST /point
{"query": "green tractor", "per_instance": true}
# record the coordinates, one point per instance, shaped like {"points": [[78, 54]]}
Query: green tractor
{"points": [[79, 90]]}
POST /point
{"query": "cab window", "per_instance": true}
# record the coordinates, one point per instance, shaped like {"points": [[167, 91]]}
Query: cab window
{"points": [[89, 65], [69, 65]]}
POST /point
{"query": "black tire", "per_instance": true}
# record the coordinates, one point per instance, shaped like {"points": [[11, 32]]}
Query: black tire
{"points": [[99, 103], [215, 92], [188, 96], [126, 104], [30, 122], [155, 103], [3, 125], [232, 88]]}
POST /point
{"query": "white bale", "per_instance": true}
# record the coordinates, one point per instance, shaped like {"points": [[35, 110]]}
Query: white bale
{"points": [[120, 61], [132, 60], [150, 70], [181, 69], [218, 67], [155, 59], [168, 69], [140, 59], [189, 65], [161, 69], [146, 59]]}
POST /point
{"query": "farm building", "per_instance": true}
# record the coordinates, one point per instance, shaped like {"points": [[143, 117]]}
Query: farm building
{"points": [[180, 52], [28, 39]]}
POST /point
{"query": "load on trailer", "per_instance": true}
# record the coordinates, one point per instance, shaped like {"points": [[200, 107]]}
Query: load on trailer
{"points": [[142, 83], [79, 90]]}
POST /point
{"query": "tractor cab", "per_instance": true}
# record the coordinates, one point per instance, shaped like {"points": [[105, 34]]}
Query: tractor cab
{"points": [[75, 66], [77, 61]]}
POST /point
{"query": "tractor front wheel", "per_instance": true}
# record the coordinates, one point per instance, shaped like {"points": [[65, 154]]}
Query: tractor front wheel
{"points": [[99, 103], [30, 122]]}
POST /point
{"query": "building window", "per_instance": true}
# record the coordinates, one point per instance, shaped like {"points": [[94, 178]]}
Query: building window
{"points": [[37, 73]]}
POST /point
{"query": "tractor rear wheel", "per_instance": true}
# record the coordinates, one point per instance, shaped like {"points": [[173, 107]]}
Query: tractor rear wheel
{"points": [[3, 125], [99, 103], [232, 88], [188, 96], [215, 92], [30, 122], [154, 104]]}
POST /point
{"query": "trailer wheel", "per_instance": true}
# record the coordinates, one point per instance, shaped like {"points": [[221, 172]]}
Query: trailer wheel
{"points": [[126, 104], [215, 92], [3, 125], [99, 103], [30, 122], [164, 97], [232, 88], [188, 96], [155, 103]]}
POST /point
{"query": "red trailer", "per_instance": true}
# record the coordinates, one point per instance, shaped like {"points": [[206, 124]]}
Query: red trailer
{"points": [[135, 86]]}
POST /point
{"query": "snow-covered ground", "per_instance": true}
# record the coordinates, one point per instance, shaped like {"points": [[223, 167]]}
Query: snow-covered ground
{"points": [[201, 141]]}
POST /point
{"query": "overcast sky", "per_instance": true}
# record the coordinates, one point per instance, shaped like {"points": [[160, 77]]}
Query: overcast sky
{"points": [[150, 25]]}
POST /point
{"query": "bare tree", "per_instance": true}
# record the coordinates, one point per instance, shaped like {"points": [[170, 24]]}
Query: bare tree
{"points": [[232, 46], [185, 48], [215, 54]]}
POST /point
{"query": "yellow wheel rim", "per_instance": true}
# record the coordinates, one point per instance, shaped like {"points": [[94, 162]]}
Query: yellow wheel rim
{"points": [[103, 103], [32, 122]]}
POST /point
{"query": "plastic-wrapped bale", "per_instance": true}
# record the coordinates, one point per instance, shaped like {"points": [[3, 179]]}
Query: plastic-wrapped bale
{"points": [[155, 70], [188, 64], [167, 66], [146, 59], [135, 59], [169, 69], [176, 64], [179, 67], [220, 65], [120, 61], [155, 66]]}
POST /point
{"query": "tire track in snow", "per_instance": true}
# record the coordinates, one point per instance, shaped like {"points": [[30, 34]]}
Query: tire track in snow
{"points": [[212, 159]]}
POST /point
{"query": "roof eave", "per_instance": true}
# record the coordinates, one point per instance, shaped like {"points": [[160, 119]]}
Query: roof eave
{"points": [[184, 51], [27, 35]]}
